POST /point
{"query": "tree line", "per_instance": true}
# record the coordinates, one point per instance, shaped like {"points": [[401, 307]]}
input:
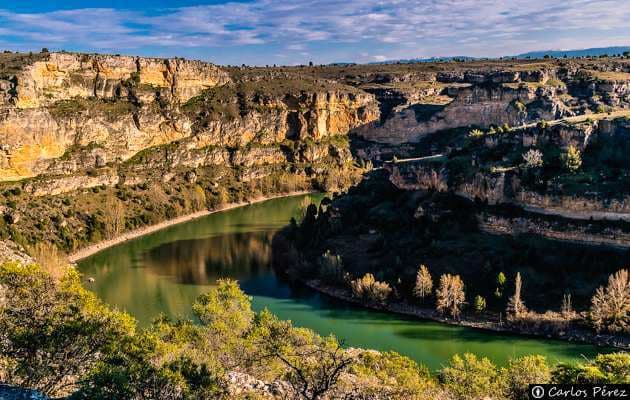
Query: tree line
{"points": [[609, 311]]}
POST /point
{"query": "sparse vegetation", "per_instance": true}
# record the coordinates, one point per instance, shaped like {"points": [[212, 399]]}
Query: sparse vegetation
{"points": [[111, 109]]}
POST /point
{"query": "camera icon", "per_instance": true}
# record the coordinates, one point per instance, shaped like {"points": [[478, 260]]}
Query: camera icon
{"points": [[538, 392]]}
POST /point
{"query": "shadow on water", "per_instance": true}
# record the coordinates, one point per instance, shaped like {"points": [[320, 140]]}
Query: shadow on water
{"points": [[165, 272]]}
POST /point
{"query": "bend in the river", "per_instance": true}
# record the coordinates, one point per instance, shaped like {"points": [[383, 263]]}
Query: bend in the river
{"points": [[165, 271]]}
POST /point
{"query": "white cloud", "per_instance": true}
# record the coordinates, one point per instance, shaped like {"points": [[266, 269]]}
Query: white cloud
{"points": [[379, 58], [435, 27]]}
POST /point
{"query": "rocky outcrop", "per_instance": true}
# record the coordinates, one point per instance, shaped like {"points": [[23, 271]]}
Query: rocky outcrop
{"points": [[241, 384], [504, 185], [477, 105], [613, 237], [60, 76], [65, 113], [10, 251]]}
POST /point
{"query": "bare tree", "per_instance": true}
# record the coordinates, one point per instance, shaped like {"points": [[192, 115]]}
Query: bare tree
{"points": [[370, 290], [567, 306], [450, 295], [424, 283], [516, 306], [610, 309], [533, 158], [114, 217]]}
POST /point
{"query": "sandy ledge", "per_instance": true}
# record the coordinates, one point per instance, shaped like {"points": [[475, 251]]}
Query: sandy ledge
{"points": [[95, 248]]}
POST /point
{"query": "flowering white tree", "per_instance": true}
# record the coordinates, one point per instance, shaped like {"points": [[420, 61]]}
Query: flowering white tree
{"points": [[533, 158]]}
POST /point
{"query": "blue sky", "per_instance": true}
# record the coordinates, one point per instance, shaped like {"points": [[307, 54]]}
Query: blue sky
{"points": [[297, 31]]}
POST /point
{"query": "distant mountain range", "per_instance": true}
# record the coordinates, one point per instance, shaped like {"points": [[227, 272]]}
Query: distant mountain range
{"points": [[431, 59], [592, 52]]}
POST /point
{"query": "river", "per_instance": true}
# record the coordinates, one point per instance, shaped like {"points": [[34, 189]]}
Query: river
{"points": [[165, 271]]}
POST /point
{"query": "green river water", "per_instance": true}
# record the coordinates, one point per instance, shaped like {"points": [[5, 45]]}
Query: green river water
{"points": [[165, 271]]}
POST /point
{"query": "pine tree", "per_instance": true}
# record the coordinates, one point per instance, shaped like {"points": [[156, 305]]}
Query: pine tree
{"points": [[424, 283], [480, 304], [516, 306], [572, 159]]}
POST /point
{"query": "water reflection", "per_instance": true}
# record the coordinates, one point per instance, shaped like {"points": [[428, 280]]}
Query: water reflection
{"points": [[240, 256], [165, 272]]}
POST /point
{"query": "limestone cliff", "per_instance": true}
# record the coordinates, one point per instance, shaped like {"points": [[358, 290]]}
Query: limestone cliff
{"points": [[61, 76], [491, 169], [61, 106], [82, 133]]}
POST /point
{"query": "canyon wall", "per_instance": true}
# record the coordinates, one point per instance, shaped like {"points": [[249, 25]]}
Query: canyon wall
{"points": [[505, 186], [61, 76], [69, 112], [82, 133]]}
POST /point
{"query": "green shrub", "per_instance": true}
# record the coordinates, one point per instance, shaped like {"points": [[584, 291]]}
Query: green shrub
{"points": [[572, 159], [67, 326], [472, 378], [480, 304], [605, 368], [523, 371]]}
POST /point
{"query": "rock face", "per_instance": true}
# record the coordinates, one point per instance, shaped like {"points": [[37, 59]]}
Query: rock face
{"points": [[68, 112], [60, 76], [480, 105], [9, 251], [505, 186]]}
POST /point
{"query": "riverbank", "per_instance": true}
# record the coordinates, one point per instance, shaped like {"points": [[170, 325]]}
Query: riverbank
{"points": [[402, 308], [96, 247]]}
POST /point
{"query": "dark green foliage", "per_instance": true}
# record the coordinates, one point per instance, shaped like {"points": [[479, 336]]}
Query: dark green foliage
{"points": [[51, 330], [92, 352], [605, 368]]}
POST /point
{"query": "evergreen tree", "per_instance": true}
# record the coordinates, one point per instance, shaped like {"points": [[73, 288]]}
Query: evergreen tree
{"points": [[572, 159], [480, 304]]}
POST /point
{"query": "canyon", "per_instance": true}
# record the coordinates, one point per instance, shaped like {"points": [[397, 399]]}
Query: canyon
{"points": [[82, 134], [482, 169], [92, 145]]}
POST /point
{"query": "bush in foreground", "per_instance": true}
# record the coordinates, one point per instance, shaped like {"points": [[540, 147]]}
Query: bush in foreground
{"points": [[58, 338]]}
